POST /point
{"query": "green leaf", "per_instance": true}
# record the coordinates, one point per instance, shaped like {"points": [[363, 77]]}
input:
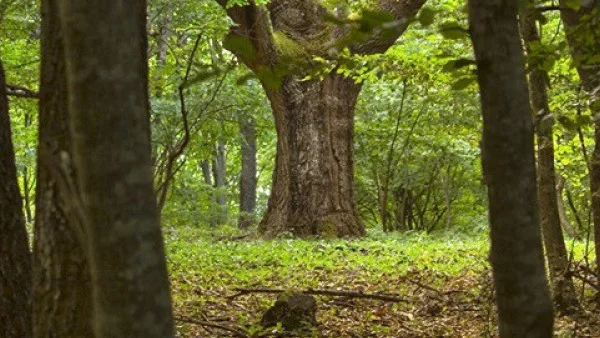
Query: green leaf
{"points": [[453, 65], [426, 16], [240, 46], [462, 83], [453, 31], [573, 4]]}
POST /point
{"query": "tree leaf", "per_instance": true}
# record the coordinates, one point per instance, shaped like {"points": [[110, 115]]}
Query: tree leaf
{"points": [[426, 16]]}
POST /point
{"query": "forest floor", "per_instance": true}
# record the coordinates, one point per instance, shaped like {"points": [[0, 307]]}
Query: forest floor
{"points": [[441, 285]]}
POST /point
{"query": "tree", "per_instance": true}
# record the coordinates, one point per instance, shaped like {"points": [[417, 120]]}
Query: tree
{"points": [[522, 295], [219, 168], [312, 191], [563, 291], [15, 263], [582, 27], [107, 82], [62, 290], [248, 179]]}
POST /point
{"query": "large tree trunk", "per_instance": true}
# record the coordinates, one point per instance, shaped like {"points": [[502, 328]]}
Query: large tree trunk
{"points": [[15, 262], [62, 291], [248, 173], [563, 290], [107, 79], [522, 295], [313, 191], [582, 29]]}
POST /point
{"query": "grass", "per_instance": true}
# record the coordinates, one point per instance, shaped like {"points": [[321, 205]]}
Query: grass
{"points": [[445, 276]]}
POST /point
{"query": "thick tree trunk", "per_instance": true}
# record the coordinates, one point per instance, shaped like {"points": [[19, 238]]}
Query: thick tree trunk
{"points": [[62, 293], [522, 295], [582, 29], [563, 290], [248, 173], [107, 80], [313, 191], [219, 172], [15, 262]]}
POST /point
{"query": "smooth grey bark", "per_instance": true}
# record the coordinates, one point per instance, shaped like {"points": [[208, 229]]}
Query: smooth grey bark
{"points": [[62, 290], [248, 179], [107, 80], [582, 28], [522, 294], [563, 290], [15, 260], [219, 168]]}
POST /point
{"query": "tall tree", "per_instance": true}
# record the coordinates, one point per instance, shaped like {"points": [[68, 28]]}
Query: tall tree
{"points": [[107, 82], [522, 295], [563, 290], [248, 172], [15, 262], [582, 27], [219, 168], [312, 191], [62, 291]]}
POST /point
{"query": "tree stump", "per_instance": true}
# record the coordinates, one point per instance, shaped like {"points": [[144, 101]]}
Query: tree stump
{"points": [[295, 312]]}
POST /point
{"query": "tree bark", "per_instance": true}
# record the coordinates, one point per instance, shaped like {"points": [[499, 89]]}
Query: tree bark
{"points": [[563, 290], [312, 192], [522, 294], [562, 212], [207, 173], [62, 289], [582, 29], [107, 79], [15, 260], [248, 178], [219, 172]]}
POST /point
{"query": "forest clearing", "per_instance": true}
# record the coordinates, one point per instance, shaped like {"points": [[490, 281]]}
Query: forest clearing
{"points": [[299, 168]]}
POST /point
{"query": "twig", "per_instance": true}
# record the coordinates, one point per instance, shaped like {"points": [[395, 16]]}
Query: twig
{"points": [[19, 91], [204, 323], [334, 293]]}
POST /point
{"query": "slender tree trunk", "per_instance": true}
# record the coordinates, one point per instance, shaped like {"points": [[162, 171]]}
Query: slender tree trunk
{"points": [[207, 173], [219, 172], [313, 192], [107, 82], [15, 262], [562, 212], [522, 294], [563, 290], [248, 173], [582, 29], [62, 290]]}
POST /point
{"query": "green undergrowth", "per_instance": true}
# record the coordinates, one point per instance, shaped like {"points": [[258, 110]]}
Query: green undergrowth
{"points": [[215, 259], [444, 278]]}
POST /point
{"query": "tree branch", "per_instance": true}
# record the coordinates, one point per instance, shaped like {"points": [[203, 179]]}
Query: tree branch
{"points": [[204, 323], [402, 11], [252, 25], [333, 293], [19, 91]]}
